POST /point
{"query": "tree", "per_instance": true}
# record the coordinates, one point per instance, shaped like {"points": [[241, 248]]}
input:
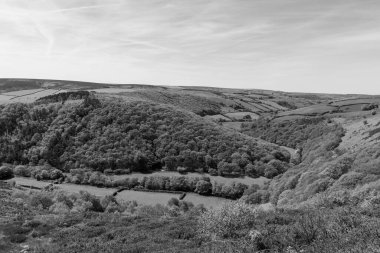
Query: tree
{"points": [[203, 187], [6, 173]]}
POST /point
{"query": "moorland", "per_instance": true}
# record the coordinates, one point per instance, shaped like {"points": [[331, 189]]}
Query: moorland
{"points": [[88, 167]]}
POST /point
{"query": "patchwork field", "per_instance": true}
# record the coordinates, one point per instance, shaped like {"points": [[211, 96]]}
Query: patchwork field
{"points": [[27, 96], [240, 115], [217, 117], [350, 101], [310, 110]]}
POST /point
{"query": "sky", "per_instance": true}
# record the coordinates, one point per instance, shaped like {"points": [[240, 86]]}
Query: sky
{"points": [[328, 46]]}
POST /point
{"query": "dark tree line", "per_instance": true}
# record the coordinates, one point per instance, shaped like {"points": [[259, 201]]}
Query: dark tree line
{"points": [[200, 185]]}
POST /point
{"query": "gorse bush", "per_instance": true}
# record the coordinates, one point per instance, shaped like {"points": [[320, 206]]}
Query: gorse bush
{"points": [[227, 221], [310, 229]]}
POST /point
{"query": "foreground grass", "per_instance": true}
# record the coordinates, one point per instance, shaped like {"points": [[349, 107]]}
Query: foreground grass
{"points": [[41, 221]]}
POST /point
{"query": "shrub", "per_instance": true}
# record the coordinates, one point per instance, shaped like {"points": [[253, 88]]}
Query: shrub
{"points": [[270, 172], [152, 211], [108, 172], [46, 172], [349, 181], [41, 199], [369, 107], [55, 174], [292, 182], [96, 205], [203, 188], [227, 220], [17, 238], [182, 170], [336, 170], [22, 171], [258, 197], [59, 208], [6, 173], [173, 202], [81, 206]]}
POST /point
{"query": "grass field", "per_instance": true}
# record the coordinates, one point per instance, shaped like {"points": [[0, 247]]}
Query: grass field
{"points": [[147, 198], [232, 125], [274, 105], [26, 96], [240, 115], [310, 110], [217, 117], [113, 90], [350, 101]]}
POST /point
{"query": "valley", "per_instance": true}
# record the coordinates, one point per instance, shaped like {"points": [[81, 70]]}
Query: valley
{"points": [[267, 161]]}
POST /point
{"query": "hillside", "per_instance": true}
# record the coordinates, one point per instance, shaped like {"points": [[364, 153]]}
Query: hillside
{"points": [[100, 134], [300, 171]]}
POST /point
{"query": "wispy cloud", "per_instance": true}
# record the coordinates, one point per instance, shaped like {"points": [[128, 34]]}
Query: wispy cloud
{"points": [[279, 44]]}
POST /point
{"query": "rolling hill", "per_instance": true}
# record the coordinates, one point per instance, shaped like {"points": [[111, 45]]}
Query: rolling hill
{"points": [[301, 171], [229, 132]]}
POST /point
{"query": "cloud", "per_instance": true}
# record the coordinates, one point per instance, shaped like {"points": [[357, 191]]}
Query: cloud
{"points": [[275, 44]]}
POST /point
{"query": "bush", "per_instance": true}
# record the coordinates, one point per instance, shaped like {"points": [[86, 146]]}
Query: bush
{"points": [[182, 170], [336, 170], [42, 200], [46, 172], [369, 107], [203, 188], [173, 202], [258, 197], [17, 238], [22, 171], [6, 173], [227, 220]]}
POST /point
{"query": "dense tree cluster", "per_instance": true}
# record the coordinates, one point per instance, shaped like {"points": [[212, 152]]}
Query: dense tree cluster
{"points": [[45, 172], [290, 133], [135, 136], [200, 185]]}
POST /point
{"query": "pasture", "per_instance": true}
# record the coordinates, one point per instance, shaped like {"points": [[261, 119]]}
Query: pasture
{"points": [[232, 125], [217, 117], [26, 96], [241, 115], [147, 198], [310, 110]]}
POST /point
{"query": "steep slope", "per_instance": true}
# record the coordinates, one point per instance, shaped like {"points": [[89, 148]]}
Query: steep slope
{"points": [[347, 173]]}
